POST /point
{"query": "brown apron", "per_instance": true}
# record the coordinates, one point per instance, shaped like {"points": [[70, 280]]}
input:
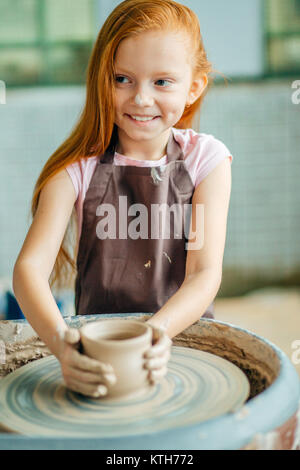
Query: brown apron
{"points": [[123, 274]]}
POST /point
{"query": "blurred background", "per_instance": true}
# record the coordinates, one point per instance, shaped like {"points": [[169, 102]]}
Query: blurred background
{"points": [[44, 51]]}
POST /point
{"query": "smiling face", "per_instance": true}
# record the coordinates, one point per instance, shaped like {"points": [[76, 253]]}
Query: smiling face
{"points": [[153, 77]]}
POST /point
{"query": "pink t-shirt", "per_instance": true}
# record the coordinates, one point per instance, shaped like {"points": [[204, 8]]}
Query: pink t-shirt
{"points": [[202, 153]]}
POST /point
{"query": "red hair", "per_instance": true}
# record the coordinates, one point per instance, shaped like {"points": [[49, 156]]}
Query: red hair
{"points": [[93, 131]]}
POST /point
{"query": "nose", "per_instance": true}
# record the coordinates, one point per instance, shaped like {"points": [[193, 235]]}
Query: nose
{"points": [[143, 100]]}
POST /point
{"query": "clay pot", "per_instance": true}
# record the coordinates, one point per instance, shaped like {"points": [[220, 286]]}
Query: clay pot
{"points": [[121, 343]]}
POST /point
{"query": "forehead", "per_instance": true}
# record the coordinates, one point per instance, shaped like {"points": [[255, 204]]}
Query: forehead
{"points": [[153, 50]]}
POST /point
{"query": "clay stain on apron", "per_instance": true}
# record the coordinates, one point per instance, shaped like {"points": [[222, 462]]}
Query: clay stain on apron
{"points": [[167, 256], [155, 176]]}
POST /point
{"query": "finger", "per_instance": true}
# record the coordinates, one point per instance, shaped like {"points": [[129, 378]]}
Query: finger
{"points": [[165, 324], [91, 390], [72, 336], [157, 333], [87, 364], [164, 344], [156, 375], [109, 379], [158, 362], [89, 377]]}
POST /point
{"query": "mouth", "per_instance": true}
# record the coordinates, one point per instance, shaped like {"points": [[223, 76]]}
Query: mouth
{"points": [[144, 120]]}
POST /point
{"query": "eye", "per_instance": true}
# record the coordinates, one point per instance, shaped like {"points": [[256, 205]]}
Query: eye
{"points": [[162, 80], [118, 78]]}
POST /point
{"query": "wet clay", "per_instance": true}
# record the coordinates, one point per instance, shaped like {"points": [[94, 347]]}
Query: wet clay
{"points": [[20, 353], [19, 346]]}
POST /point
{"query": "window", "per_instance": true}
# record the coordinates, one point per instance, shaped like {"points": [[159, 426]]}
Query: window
{"points": [[282, 36], [45, 41]]}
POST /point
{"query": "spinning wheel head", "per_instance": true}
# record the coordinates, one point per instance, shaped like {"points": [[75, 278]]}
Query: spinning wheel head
{"points": [[199, 386]]}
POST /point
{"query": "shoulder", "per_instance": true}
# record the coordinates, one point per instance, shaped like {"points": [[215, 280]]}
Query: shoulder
{"points": [[202, 152], [81, 172], [194, 142], [82, 165]]}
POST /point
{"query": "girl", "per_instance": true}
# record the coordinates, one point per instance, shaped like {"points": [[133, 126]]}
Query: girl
{"points": [[133, 150]]}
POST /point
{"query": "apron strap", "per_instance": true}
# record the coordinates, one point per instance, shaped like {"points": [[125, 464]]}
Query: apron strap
{"points": [[174, 151]]}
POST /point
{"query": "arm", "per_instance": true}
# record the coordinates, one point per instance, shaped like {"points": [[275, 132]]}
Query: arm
{"points": [[37, 257], [203, 266], [31, 287]]}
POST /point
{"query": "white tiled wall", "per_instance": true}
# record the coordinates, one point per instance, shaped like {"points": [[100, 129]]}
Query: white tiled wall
{"points": [[261, 126]]}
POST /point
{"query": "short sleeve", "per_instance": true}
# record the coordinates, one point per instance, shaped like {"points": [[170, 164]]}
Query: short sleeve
{"points": [[202, 152], [81, 173], [212, 152], [75, 174]]}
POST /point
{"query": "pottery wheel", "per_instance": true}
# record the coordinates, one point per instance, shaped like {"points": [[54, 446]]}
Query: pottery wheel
{"points": [[199, 386]]}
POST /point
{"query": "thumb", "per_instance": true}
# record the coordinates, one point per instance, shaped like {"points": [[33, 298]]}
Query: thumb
{"points": [[159, 331], [165, 324], [72, 336]]}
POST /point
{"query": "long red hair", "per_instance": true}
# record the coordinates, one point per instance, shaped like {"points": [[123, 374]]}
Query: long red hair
{"points": [[93, 131]]}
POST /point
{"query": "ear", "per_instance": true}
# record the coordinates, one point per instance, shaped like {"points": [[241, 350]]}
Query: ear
{"points": [[196, 89]]}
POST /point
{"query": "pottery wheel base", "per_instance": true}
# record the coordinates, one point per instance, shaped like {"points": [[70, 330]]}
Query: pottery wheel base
{"points": [[199, 386]]}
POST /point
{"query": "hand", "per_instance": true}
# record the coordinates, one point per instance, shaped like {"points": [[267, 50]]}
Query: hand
{"points": [[81, 373], [158, 355]]}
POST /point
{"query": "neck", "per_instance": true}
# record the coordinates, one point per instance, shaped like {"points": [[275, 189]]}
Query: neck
{"points": [[153, 149]]}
